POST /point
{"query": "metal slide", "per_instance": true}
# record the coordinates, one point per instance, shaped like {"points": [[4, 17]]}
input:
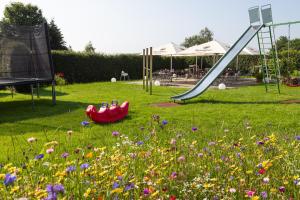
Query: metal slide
{"points": [[221, 65]]}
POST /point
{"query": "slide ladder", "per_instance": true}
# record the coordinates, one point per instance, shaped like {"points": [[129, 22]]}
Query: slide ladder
{"points": [[221, 65], [268, 51]]}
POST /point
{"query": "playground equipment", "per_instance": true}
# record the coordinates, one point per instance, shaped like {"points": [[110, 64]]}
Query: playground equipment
{"points": [[108, 114], [147, 69], [25, 57], [266, 36]]}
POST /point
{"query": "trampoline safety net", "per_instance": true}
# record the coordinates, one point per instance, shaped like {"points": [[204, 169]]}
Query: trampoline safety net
{"points": [[24, 55]]}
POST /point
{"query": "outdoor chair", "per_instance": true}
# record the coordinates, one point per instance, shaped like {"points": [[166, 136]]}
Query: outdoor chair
{"points": [[124, 75]]}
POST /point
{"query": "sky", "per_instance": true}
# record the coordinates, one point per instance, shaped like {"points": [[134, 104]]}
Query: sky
{"points": [[128, 26]]}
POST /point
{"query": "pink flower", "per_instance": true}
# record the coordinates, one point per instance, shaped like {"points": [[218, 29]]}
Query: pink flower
{"points": [[50, 150], [181, 158], [173, 141], [115, 133], [173, 175], [250, 193]]}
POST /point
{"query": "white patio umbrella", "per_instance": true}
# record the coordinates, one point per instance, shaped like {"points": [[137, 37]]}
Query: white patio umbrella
{"points": [[169, 49], [213, 48]]}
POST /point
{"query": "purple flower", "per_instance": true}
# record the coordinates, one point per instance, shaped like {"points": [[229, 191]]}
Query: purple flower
{"points": [[115, 185], [260, 143], [40, 156], [140, 143], [58, 188], [164, 122], [53, 190], [65, 155], [281, 189], [85, 123], [297, 137], [264, 195], [115, 133], [129, 187], [9, 179], [70, 169], [84, 166], [194, 129], [146, 191]]}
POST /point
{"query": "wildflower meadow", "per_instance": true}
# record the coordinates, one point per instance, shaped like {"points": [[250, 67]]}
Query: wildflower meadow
{"points": [[254, 166]]}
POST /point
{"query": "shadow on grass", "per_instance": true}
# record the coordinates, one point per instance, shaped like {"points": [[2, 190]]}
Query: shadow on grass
{"points": [[206, 101], [15, 111]]}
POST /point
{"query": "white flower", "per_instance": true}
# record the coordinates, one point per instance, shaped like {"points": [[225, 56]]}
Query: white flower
{"points": [[266, 180], [232, 190], [32, 139]]}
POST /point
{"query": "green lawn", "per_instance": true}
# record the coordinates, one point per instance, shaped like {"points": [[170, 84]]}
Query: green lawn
{"points": [[246, 145], [212, 112]]}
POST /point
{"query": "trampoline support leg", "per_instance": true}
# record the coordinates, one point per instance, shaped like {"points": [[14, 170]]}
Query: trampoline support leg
{"points": [[32, 101], [53, 93], [38, 90], [12, 91]]}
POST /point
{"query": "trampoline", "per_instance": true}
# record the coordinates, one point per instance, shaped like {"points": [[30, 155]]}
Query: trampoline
{"points": [[25, 56]]}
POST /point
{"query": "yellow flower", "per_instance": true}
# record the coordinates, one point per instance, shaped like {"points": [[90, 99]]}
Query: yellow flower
{"points": [[117, 190], [255, 198], [266, 164], [87, 192], [89, 155], [14, 189], [2, 176], [40, 194], [273, 190], [102, 173], [52, 143], [208, 185], [155, 194]]}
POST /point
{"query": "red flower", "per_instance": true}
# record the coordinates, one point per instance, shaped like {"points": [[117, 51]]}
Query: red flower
{"points": [[172, 197], [262, 171], [60, 74]]}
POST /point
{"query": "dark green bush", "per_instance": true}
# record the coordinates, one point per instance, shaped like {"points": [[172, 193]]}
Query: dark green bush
{"points": [[82, 67]]}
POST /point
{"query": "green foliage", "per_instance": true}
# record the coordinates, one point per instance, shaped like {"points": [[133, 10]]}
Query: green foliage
{"points": [[282, 43], [20, 14], [56, 37], [60, 80], [89, 48], [289, 61], [205, 35]]}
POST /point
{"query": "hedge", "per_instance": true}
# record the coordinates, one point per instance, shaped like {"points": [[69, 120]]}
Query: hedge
{"points": [[82, 67]]}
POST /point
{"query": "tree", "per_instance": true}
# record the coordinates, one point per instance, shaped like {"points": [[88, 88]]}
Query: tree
{"points": [[19, 14], [205, 35], [89, 48], [56, 37], [282, 43]]}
